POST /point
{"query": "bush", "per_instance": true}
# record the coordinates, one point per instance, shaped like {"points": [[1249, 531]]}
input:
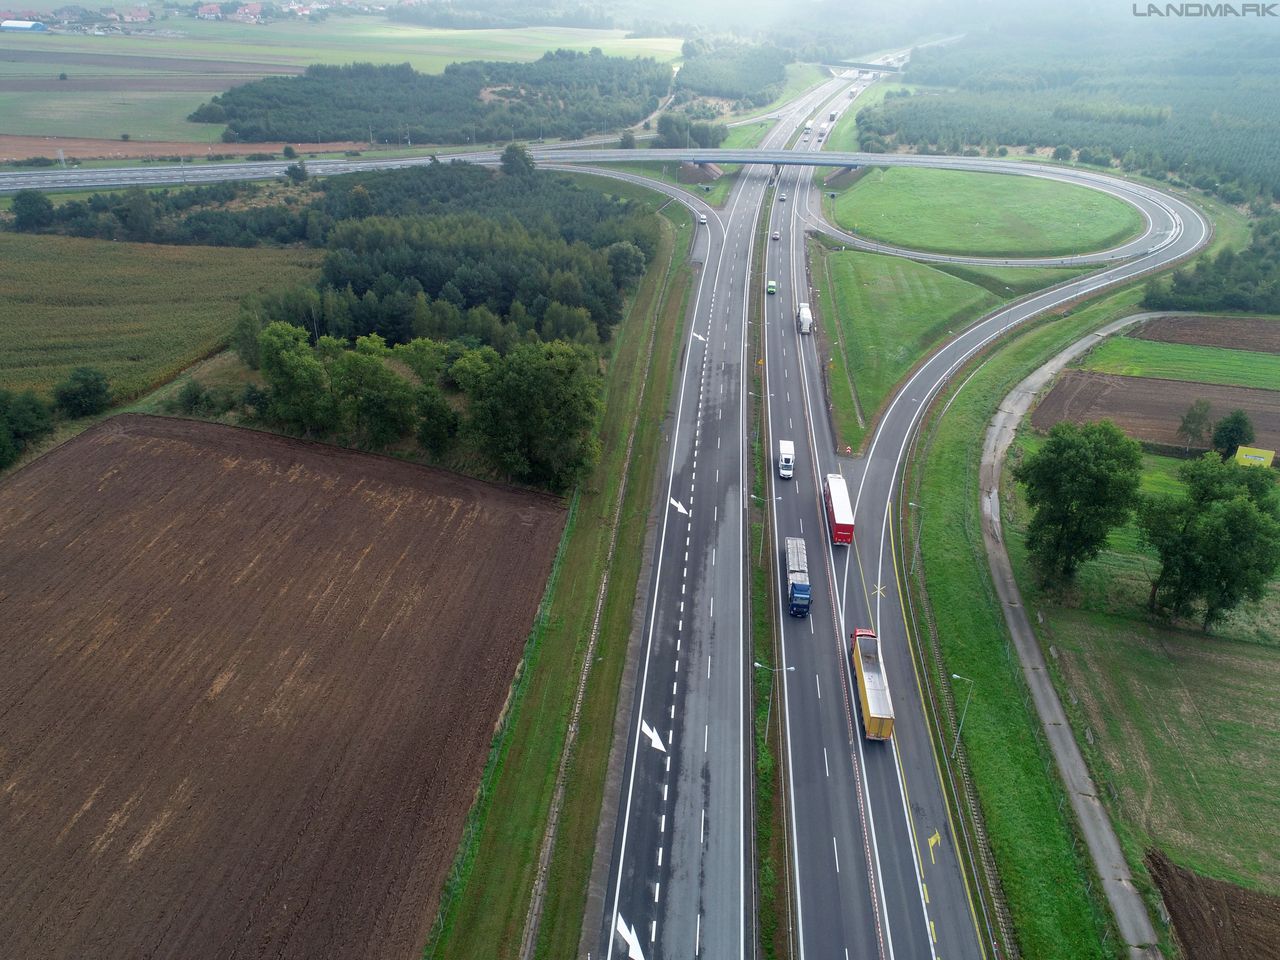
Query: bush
{"points": [[84, 393]]}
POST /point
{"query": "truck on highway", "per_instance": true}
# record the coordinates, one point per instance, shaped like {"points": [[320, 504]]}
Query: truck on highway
{"points": [[873, 686], [832, 116], [797, 577], [786, 459], [808, 126], [822, 132], [835, 495], [804, 319]]}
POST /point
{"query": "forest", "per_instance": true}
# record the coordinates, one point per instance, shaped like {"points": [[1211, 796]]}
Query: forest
{"points": [[748, 74], [1173, 106], [1247, 281], [563, 94]]}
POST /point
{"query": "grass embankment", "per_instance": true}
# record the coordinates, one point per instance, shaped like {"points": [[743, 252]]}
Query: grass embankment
{"points": [[1048, 882], [1131, 357], [716, 192], [138, 312], [890, 312], [982, 214], [800, 78], [145, 104], [1183, 727], [487, 898]]}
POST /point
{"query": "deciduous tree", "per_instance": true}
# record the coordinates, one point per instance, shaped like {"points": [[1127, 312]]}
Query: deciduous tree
{"points": [[1195, 422], [84, 393], [1232, 431]]}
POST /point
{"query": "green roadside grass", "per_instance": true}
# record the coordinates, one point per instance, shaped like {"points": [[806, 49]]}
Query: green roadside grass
{"points": [[800, 77], [1132, 357], [1048, 882], [843, 137], [1183, 726], [487, 896], [984, 214]]}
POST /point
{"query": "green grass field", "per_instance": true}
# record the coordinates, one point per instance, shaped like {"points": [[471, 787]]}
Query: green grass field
{"points": [[1181, 719], [138, 312], [994, 215], [1184, 361], [154, 112], [1046, 880]]}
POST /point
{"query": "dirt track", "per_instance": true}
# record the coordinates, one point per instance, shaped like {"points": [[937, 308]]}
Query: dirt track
{"points": [[1150, 409], [1216, 920], [1235, 333], [247, 686]]}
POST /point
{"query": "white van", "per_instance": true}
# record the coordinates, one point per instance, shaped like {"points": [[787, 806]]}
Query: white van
{"points": [[804, 319], [786, 459]]}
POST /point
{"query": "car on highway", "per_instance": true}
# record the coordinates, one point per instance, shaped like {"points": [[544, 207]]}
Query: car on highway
{"points": [[771, 286], [782, 198], [777, 235]]}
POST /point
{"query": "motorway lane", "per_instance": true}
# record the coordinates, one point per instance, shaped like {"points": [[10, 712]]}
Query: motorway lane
{"points": [[680, 882]]}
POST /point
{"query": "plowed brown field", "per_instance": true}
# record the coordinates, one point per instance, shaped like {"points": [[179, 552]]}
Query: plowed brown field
{"points": [[1216, 920], [1235, 333], [1150, 409], [247, 687]]}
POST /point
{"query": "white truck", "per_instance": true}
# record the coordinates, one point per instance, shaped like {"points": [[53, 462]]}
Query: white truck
{"points": [[786, 459], [804, 319]]}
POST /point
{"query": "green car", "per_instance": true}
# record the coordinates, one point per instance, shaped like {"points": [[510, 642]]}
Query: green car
{"points": [[772, 286]]}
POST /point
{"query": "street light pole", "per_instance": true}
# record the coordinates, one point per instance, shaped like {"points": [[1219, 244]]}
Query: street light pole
{"points": [[963, 713], [769, 709]]}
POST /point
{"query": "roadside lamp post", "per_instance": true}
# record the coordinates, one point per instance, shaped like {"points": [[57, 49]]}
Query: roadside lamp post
{"points": [[769, 709], [963, 713]]}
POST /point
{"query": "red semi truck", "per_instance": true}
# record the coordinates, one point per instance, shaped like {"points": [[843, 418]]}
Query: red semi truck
{"points": [[839, 512]]}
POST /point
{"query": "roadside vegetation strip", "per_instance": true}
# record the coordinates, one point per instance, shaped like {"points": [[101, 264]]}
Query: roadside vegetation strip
{"points": [[1049, 884], [983, 214], [489, 894], [715, 192], [138, 312], [1131, 357]]}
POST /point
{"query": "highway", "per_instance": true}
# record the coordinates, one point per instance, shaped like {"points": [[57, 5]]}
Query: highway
{"points": [[874, 869]]}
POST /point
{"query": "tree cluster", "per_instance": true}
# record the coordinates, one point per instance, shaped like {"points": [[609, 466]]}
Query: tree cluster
{"points": [[530, 412], [1247, 281], [563, 94], [1165, 106], [25, 418], [676, 131], [1218, 543], [750, 74]]}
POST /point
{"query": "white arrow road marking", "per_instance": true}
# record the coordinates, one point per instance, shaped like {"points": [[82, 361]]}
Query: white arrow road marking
{"points": [[652, 734], [633, 942], [679, 506], [700, 336]]}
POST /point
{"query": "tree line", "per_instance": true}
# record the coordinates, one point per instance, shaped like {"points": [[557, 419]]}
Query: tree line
{"points": [[531, 412], [1248, 280], [1165, 106], [1217, 541], [25, 418], [563, 94], [750, 74]]}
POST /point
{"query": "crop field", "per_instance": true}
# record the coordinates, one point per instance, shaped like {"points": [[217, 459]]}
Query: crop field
{"points": [[249, 685], [145, 85], [1132, 357], [1151, 410], [986, 214], [1259, 334], [138, 312]]}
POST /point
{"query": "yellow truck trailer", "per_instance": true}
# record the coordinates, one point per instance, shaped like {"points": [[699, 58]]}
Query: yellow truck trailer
{"points": [[873, 686]]}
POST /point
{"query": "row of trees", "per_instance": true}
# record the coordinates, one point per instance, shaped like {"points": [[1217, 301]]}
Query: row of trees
{"points": [[1168, 106], [1218, 542], [563, 94], [1248, 280], [531, 412], [677, 130], [25, 418]]}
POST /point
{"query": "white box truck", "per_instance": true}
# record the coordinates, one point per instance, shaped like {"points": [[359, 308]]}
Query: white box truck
{"points": [[804, 319], [786, 459]]}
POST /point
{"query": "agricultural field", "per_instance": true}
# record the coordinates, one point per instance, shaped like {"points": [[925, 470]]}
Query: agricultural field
{"points": [[248, 690], [1258, 334], [1151, 410], [146, 84], [982, 214], [138, 312], [1133, 357]]}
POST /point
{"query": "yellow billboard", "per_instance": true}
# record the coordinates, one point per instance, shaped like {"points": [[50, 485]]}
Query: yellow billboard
{"points": [[1253, 457]]}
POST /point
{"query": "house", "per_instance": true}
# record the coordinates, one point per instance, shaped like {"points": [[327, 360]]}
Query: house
{"points": [[249, 13], [209, 11], [137, 15]]}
